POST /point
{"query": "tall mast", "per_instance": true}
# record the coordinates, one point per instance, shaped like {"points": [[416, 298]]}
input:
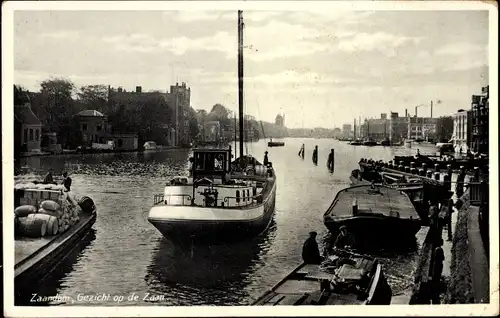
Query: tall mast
{"points": [[240, 80]]}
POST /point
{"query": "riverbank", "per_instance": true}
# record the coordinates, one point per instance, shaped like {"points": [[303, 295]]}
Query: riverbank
{"points": [[73, 151]]}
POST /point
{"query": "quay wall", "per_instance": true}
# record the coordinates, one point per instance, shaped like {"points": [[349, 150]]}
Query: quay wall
{"points": [[460, 288]]}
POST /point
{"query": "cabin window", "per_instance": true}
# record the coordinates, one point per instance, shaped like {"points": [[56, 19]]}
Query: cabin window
{"points": [[200, 163], [31, 134], [26, 135], [237, 196], [243, 192], [37, 135], [248, 194]]}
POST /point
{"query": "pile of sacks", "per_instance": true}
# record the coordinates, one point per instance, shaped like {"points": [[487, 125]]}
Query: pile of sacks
{"points": [[49, 218]]}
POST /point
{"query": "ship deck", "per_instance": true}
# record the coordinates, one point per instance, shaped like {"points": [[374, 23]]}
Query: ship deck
{"points": [[383, 201]]}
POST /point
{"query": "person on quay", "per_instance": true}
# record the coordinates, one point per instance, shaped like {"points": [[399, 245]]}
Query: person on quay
{"points": [[315, 154], [459, 188], [49, 178], [191, 164], [266, 159], [310, 250], [66, 182], [329, 162], [437, 270]]}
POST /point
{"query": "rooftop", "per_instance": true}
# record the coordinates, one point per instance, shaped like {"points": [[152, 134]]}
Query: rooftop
{"points": [[90, 113], [25, 115]]}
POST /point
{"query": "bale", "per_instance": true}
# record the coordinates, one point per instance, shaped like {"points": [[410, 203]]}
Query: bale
{"points": [[31, 227], [24, 210], [52, 222], [50, 205], [56, 214]]}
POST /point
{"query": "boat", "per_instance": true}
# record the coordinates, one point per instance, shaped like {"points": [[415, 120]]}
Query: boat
{"points": [[222, 200], [385, 142], [369, 142], [373, 212], [343, 278], [36, 257], [272, 143], [150, 145], [356, 142]]}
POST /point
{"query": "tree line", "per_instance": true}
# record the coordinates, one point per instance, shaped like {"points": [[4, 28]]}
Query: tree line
{"points": [[58, 102]]}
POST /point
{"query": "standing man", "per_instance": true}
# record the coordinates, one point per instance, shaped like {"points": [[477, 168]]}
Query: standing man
{"points": [[66, 182], [266, 160], [437, 270], [310, 250], [301, 151]]}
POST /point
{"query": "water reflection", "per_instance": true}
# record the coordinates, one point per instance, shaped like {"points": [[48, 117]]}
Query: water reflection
{"points": [[53, 282], [218, 273]]}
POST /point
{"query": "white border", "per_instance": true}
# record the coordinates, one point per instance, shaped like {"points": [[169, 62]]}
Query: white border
{"points": [[211, 311]]}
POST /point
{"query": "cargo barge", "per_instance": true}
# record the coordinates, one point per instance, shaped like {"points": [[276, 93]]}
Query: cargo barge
{"points": [[39, 247]]}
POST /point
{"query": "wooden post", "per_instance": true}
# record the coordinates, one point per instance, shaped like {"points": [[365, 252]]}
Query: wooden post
{"points": [[436, 167], [429, 174], [437, 176], [476, 174]]}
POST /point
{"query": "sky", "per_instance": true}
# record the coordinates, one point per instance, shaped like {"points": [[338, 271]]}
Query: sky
{"points": [[321, 68]]}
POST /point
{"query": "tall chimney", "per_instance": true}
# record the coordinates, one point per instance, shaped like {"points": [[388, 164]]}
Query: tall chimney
{"points": [[406, 112], [431, 108]]}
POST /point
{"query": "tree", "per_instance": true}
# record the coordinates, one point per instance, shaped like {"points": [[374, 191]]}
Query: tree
{"points": [[221, 114], [58, 107], [94, 97], [194, 129]]}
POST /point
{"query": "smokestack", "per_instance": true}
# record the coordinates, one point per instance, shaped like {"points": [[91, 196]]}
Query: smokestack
{"points": [[431, 108], [416, 111], [406, 112]]}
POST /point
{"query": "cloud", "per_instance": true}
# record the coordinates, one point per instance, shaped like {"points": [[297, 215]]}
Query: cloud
{"points": [[460, 49], [379, 41], [60, 35]]}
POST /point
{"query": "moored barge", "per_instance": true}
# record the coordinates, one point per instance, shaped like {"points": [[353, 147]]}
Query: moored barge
{"points": [[344, 278]]}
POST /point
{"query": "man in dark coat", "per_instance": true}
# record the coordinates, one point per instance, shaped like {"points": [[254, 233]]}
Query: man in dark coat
{"points": [[310, 250], [315, 154], [344, 239], [329, 162], [66, 182]]}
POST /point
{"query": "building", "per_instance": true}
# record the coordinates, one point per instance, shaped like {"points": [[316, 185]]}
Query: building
{"points": [[28, 129], [347, 131], [178, 98], [125, 141], [398, 128], [462, 125], [375, 128], [94, 127], [480, 122], [422, 128], [280, 120]]}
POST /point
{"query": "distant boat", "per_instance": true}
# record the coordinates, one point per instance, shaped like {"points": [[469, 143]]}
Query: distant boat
{"points": [[373, 212], [344, 278], [385, 142], [272, 143], [150, 145], [369, 142], [356, 143]]}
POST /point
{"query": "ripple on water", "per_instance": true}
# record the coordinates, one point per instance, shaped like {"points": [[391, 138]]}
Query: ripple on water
{"points": [[128, 254]]}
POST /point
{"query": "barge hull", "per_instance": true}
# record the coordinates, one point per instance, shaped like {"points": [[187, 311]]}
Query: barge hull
{"points": [[41, 262], [180, 231]]}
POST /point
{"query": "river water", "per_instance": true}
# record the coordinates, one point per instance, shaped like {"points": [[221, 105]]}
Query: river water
{"points": [[124, 254]]}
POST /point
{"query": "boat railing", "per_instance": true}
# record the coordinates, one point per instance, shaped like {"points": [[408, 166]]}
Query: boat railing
{"points": [[240, 201], [161, 198]]}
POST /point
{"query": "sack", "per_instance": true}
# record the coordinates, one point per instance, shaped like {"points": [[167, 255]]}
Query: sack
{"points": [[50, 205], [57, 213], [24, 210]]}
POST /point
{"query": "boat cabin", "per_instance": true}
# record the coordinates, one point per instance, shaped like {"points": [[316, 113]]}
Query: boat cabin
{"points": [[212, 163]]}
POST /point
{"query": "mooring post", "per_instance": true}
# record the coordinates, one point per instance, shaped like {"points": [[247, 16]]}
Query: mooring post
{"points": [[476, 174], [436, 167], [429, 173], [437, 176]]}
